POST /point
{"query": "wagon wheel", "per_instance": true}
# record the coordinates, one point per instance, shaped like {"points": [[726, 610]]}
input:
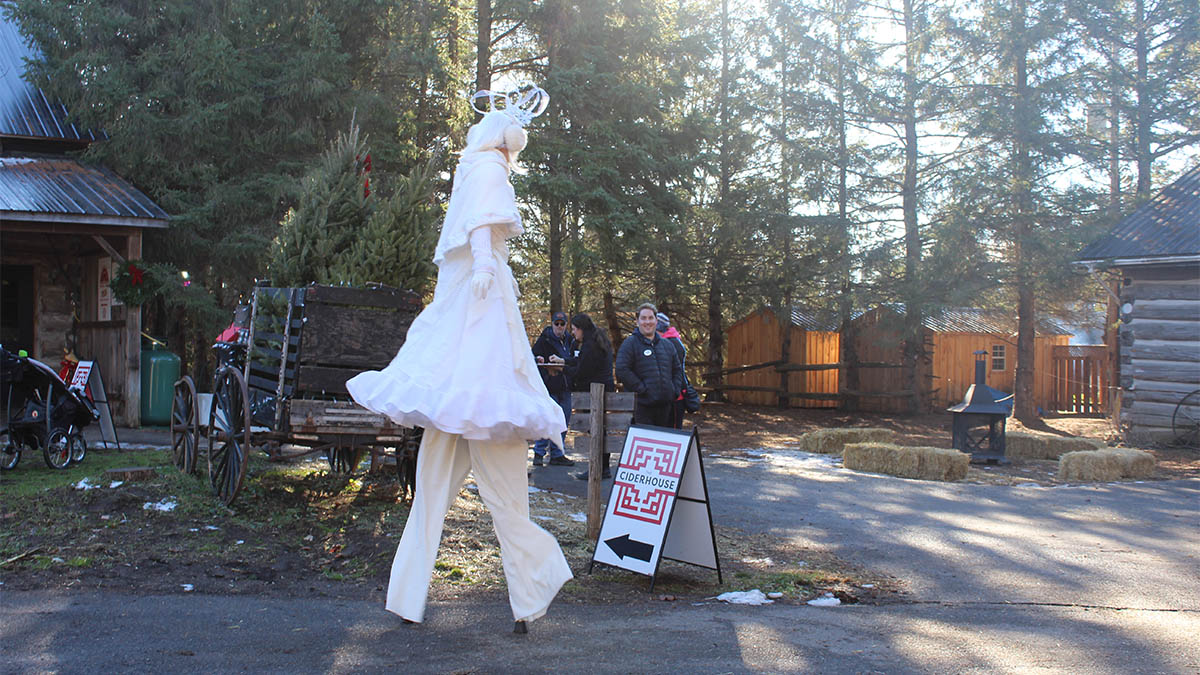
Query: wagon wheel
{"points": [[57, 451], [406, 462], [185, 425], [1185, 423], [228, 434], [344, 459]]}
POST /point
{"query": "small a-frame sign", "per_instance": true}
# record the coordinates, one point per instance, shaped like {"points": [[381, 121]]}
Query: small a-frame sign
{"points": [[87, 377], [658, 507]]}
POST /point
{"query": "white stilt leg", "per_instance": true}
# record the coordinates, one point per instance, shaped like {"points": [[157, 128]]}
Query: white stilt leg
{"points": [[442, 465], [534, 566]]}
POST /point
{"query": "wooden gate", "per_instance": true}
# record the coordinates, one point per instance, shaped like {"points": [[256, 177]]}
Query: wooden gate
{"points": [[1080, 379]]}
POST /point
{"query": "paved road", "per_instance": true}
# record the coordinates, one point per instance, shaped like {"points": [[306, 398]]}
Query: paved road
{"points": [[1084, 579]]}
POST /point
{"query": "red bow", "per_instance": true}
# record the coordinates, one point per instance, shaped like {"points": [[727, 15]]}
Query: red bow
{"points": [[136, 274], [367, 163]]}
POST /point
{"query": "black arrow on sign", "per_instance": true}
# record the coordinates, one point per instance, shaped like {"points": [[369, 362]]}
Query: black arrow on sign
{"points": [[624, 546]]}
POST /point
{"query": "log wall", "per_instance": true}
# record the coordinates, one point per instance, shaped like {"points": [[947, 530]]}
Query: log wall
{"points": [[1160, 346]]}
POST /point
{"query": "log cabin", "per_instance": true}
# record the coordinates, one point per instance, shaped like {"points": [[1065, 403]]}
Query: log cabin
{"points": [[1154, 253]]}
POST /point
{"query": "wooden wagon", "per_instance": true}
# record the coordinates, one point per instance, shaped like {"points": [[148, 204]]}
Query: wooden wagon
{"points": [[282, 385]]}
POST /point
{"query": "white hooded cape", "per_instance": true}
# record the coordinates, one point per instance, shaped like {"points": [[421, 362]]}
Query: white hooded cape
{"points": [[466, 367]]}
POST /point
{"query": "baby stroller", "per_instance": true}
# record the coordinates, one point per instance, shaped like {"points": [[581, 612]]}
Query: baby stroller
{"points": [[39, 410]]}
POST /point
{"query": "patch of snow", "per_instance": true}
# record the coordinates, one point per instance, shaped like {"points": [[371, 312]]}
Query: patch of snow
{"points": [[578, 517], [240, 542], [775, 595], [162, 505], [826, 600], [193, 529], [543, 518], [57, 559], [187, 588], [533, 489], [759, 561], [86, 484], [116, 484], [868, 586], [211, 527], [754, 597]]}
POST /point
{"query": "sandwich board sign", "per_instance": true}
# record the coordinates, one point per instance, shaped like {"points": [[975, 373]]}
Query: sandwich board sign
{"points": [[658, 507], [87, 377]]}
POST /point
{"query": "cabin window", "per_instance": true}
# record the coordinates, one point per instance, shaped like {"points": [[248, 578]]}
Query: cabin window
{"points": [[998, 360]]}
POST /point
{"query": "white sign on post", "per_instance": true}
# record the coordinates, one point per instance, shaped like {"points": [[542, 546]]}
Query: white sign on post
{"points": [[87, 378], [658, 507]]}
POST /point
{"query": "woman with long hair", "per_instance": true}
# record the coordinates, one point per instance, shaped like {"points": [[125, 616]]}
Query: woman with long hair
{"points": [[593, 363], [594, 357]]}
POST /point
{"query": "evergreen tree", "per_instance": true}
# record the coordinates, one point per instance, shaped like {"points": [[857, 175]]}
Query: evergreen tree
{"points": [[343, 232]]}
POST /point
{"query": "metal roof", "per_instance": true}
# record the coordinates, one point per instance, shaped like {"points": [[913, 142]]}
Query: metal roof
{"points": [[25, 110], [41, 188], [1167, 226], [976, 320], [811, 319]]}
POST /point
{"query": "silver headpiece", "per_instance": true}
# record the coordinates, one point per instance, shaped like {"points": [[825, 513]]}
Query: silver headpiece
{"points": [[522, 104]]}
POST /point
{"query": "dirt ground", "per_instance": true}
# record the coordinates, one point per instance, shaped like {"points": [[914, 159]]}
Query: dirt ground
{"points": [[299, 529]]}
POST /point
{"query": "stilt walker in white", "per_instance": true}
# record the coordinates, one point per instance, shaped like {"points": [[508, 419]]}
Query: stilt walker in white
{"points": [[466, 374]]}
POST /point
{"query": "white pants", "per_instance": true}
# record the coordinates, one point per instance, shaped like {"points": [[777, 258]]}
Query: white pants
{"points": [[534, 566]]}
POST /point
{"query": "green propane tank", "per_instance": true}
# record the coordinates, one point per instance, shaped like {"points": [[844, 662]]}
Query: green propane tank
{"points": [[160, 370]]}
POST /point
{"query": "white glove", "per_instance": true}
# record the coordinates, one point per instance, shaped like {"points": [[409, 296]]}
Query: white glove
{"points": [[481, 281], [483, 269]]}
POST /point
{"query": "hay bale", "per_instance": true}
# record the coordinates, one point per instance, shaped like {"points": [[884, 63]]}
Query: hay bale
{"points": [[1105, 465], [1034, 445], [831, 441], [906, 461]]}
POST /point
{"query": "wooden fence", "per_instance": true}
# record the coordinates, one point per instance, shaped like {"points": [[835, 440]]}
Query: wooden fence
{"points": [[1080, 379]]}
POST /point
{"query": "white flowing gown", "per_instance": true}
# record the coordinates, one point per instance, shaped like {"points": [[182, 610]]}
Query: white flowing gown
{"points": [[466, 367]]}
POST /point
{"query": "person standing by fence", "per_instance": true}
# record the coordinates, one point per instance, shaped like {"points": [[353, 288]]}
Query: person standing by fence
{"points": [[593, 361], [555, 345], [650, 367]]}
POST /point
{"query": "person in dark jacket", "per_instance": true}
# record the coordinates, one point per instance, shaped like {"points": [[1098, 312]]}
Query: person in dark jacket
{"points": [[593, 359], [668, 332], [554, 346], [650, 367], [593, 364]]}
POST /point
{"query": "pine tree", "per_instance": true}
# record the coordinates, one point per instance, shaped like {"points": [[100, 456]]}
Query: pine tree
{"points": [[396, 246], [343, 233]]}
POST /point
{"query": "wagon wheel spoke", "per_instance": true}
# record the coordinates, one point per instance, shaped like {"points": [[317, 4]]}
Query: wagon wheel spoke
{"points": [[229, 435], [185, 425], [1185, 422]]}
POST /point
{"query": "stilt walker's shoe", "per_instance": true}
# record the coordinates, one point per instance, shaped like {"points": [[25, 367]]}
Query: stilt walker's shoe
{"points": [[520, 628]]}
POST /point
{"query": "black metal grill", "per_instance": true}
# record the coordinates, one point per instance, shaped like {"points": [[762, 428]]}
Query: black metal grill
{"points": [[980, 419]]}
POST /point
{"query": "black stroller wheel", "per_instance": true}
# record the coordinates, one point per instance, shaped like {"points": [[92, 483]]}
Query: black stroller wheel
{"points": [[57, 451], [10, 451], [78, 447]]}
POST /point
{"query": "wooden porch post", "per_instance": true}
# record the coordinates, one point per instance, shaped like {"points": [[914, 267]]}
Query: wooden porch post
{"points": [[131, 379]]}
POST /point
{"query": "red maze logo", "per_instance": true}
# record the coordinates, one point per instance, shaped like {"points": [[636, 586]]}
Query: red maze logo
{"points": [[648, 480]]}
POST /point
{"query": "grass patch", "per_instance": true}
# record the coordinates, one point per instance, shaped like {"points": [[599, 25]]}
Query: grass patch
{"points": [[33, 476]]}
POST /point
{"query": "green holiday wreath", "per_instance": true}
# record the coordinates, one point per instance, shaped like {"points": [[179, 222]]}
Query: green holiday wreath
{"points": [[133, 284]]}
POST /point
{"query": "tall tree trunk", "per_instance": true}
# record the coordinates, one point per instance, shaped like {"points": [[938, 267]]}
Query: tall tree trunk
{"points": [[716, 277], [1025, 407], [914, 336], [483, 45], [1114, 140], [615, 334], [556, 218], [850, 379], [1141, 88], [784, 313]]}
